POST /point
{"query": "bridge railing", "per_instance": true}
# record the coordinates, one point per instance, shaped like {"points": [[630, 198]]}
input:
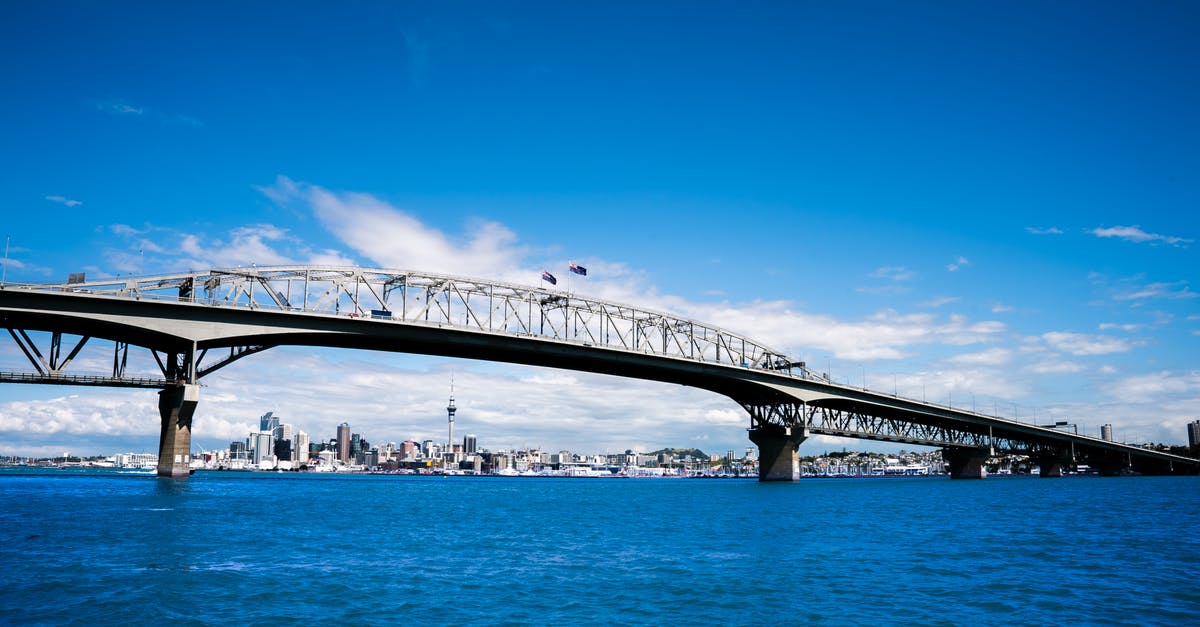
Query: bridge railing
{"points": [[426, 298]]}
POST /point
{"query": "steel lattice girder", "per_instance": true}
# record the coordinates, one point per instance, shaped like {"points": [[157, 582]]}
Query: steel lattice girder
{"points": [[51, 367], [424, 298], [858, 424]]}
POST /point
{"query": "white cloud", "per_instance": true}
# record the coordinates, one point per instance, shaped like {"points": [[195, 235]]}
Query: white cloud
{"points": [[894, 273], [63, 200], [1137, 235], [1112, 326], [989, 357], [1171, 291], [1147, 388], [1044, 231], [392, 238], [1080, 344], [940, 301], [960, 262], [254, 244], [117, 106], [120, 107], [1054, 366], [373, 227]]}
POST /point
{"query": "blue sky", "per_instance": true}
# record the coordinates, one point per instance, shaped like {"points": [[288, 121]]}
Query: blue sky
{"points": [[949, 199]]}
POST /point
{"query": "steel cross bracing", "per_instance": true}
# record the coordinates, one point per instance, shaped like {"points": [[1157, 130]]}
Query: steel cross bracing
{"points": [[49, 365], [431, 299], [821, 420]]}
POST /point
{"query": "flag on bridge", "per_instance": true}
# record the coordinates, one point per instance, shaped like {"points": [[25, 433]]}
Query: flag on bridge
{"points": [[580, 270], [549, 278]]}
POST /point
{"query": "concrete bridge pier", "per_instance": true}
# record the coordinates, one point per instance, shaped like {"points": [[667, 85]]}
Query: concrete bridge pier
{"points": [[176, 405], [1054, 462], [966, 463], [778, 458], [1052, 467]]}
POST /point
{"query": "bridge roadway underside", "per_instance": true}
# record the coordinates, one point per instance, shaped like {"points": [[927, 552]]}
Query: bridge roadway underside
{"points": [[781, 426], [184, 327]]}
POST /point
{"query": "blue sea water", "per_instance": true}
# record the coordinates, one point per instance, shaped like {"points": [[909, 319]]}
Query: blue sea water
{"points": [[242, 548]]}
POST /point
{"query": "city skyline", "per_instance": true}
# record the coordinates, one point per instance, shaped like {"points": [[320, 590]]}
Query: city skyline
{"points": [[988, 206]]}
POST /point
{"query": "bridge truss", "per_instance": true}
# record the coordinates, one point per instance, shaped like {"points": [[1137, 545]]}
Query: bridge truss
{"points": [[438, 300], [186, 344]]}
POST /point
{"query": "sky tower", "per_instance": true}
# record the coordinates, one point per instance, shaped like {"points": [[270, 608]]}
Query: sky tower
{"points": [[450, 418]]}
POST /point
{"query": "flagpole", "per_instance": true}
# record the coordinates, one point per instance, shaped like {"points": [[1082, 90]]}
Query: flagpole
{"points": [[4, 275]]}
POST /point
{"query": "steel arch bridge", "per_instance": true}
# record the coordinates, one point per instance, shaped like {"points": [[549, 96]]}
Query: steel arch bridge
{"points": [[195, 323]]}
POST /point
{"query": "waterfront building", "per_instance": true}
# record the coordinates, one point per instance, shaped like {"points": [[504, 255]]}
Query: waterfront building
{"points": [[268, 422], [469, 444], [1194, 433], [300, 454], [263, 447], [283, 450], [343, 443], [136, 460], [1106, 433], [283, 432]]}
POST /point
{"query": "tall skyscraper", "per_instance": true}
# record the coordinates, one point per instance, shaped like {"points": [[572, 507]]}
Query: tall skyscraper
{"points": [[264, 446], [268, 422], [450, 409], [1194, 433], [1106, 433], [343, 442], [469, 445], [283, 432], [300, 454]]}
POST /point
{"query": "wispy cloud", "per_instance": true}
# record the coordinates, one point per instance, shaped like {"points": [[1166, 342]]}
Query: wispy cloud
{"points": [[1147, 387], [372, 227], [1081, 344], [63, 200], [393, 238], [989, 357], [120, 107], [117, 106], [1113, 326], [1172, 291], [940, 301], [1137, 235], [894, 273], [163, 248], [1044, 231], [1054, 366], [958, 263]]}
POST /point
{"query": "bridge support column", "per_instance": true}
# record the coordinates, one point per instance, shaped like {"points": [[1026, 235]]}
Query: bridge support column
{"points": [[778, 459], [175, 406], [1051, 468], [967, 463]]}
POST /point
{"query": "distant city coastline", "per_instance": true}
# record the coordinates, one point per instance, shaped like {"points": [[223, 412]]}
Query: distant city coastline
{"points": [[279, 447]]}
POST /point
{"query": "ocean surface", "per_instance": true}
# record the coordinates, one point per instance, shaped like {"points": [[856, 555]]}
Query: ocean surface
{"points": [[83, 547]]}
